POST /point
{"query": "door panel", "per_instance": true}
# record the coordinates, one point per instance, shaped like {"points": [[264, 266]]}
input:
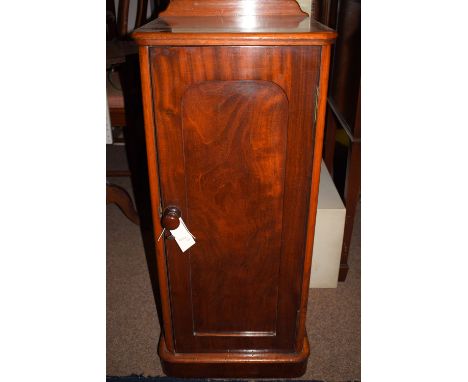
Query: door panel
{"points": [[234, 130], [235, 150]]}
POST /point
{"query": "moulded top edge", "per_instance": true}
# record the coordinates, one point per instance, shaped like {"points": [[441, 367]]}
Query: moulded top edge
{"points": [[213, 30]]}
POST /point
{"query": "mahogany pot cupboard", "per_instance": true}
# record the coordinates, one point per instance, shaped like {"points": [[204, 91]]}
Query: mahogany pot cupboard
{"points": [[234, 96]]}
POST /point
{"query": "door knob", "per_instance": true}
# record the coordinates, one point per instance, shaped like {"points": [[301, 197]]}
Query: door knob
{"points": [[170, 218]]}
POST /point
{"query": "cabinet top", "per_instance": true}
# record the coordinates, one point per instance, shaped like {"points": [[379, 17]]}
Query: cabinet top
{"points": [[233, 8], [234, 22], [234, 30]]}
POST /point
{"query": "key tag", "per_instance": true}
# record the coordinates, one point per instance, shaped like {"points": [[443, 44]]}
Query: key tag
{"points": [[182, 236]]}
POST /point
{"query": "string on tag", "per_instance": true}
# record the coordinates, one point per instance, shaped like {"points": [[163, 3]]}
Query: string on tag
{"points": [[159, 238]]}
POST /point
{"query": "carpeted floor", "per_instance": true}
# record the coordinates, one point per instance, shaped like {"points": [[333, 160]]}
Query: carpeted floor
{"points": [[333, 321]]}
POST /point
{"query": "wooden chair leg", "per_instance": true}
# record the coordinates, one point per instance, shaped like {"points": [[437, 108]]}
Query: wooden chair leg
{"points": [[120, 197]]}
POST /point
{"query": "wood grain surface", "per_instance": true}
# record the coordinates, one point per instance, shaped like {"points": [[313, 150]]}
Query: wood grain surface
{"points": [[235, 140], [232, 8], [155, 189], [235, 135], [234, 31]]}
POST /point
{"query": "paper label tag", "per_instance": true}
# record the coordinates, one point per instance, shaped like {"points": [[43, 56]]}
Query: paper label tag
{"points": [[182, 236]]}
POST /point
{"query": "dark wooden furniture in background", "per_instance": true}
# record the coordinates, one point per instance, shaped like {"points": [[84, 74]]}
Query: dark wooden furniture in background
{"points": [[342, 146], [121, 85], [234, 96], [120, 197]]}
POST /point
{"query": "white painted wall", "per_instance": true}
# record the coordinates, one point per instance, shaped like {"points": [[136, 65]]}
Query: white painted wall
{"points": [[305, 5]]}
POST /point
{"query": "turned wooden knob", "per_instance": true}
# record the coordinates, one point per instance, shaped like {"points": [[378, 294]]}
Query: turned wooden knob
{"points": [[170, 218]]}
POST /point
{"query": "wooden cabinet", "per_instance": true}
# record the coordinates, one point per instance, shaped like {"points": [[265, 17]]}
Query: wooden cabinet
{"points": [[234, 103]]}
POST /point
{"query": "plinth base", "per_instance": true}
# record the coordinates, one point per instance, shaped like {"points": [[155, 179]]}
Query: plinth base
{"points": [[234, 365]]}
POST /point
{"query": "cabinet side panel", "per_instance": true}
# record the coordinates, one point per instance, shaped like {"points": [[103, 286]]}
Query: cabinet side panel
{"points": [[153, 174]]}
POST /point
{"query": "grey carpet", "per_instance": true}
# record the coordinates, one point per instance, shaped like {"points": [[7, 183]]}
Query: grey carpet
{"points": [[333, 321]]}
